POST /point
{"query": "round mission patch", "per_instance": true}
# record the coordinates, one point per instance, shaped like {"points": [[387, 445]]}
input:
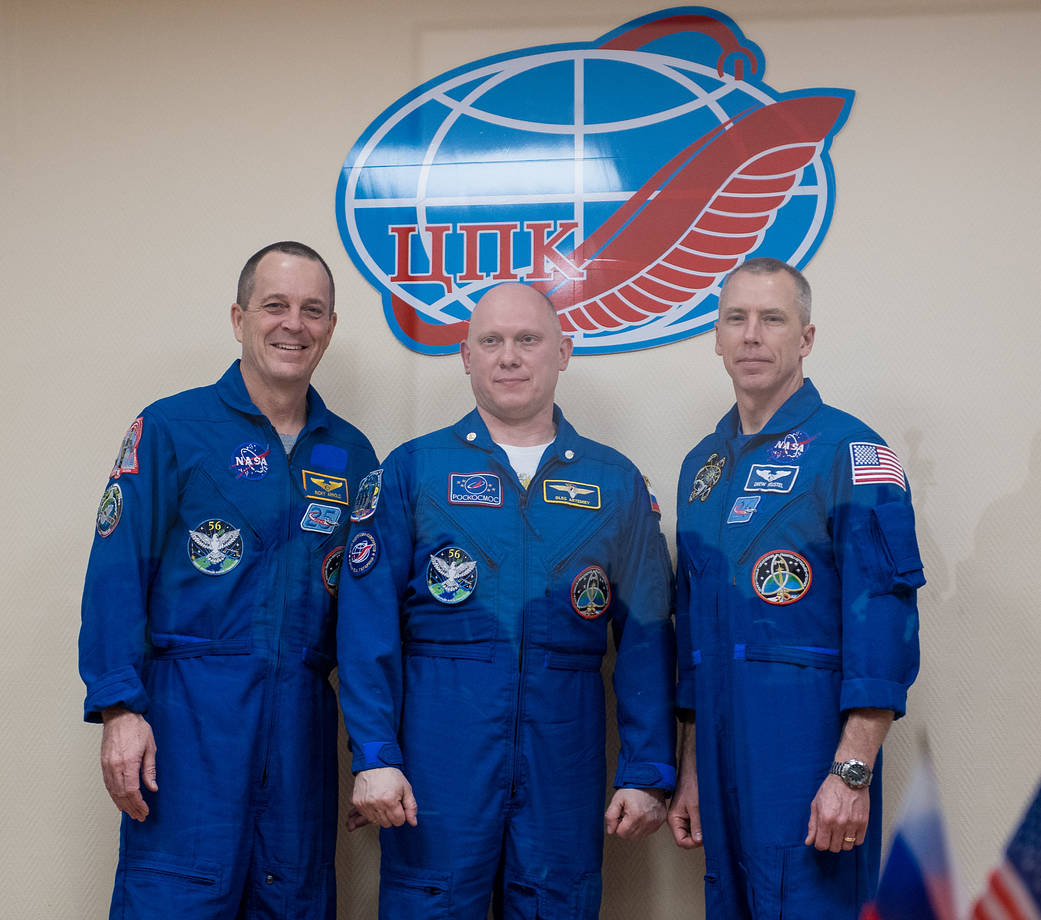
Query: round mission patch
{"points": [[215, 547], [451, 575], [110, 510], [590, 592], [781, 576], [363, 553], [332, 564]]}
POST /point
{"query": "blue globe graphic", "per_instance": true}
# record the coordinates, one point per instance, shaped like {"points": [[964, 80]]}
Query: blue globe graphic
{"points": [[542, 137]]}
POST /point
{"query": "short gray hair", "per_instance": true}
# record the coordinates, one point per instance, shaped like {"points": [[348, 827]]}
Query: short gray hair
{"points": [[764, 265]]}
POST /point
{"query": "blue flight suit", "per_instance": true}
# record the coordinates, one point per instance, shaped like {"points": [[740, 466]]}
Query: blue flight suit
{"points": [[470, 641], [209, 607], [796, 580]]}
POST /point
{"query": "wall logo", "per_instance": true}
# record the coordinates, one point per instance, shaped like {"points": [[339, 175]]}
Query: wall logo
{"points": [[622, 177]]}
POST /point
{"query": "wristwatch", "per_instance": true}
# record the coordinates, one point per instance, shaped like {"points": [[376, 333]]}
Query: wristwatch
{"points": [[854, 773]]}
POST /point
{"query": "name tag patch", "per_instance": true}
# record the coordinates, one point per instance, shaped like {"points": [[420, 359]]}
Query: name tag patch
{"points": [[325, 488], [475, 489], [576, 494], [768, 477]]}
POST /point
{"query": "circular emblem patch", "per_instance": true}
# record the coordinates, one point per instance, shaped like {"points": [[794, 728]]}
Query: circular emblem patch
{"points": [[363, 553], [781, 576], [215, 547], [451, 575], [791, 447], [110, 510], [250, 460], [331, 567], [590, 592]]}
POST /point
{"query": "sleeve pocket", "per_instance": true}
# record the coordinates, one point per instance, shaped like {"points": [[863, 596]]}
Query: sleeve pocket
{"points": [[900, 563]]}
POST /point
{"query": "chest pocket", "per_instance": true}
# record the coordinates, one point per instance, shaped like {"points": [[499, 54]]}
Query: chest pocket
{"points": [[476, 617], [579, 596], [206, 586]]}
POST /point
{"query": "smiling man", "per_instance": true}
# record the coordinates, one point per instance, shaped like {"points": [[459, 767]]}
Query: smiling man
{"points": [[486, 561], [208, 620], [796, 620]]}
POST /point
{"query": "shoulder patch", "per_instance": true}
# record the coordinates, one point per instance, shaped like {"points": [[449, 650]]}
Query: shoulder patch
{"points": [[655, 507], [368, 496], [126, 459], [110, 510], [362, 553], [875, 463], [575, 494], [475, 489]]}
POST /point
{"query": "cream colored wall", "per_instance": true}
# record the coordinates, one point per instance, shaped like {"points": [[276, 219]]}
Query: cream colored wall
{"points": [[150, 147]]}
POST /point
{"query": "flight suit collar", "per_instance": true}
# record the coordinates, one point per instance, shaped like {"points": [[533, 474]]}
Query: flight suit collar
{"points": [[794, 412], [231, 388], [565, 446]]}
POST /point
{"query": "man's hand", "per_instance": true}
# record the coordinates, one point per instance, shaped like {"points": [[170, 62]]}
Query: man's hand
{"points": [[635, 813], [838, 816], [356, 819], [384, 797], [127, 756], [684, 813]]}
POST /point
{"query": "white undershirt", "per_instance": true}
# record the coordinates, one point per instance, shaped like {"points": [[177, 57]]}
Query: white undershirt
{"points": [[525, 460]]}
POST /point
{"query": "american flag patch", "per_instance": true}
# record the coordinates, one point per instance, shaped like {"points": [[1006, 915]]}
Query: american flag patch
{"points": [[875, 463]]}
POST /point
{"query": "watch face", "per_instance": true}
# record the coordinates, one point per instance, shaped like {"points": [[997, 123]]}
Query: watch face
{"points": [[855, 774]]}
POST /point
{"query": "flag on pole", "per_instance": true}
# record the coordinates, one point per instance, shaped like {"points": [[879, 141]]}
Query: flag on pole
{"points": [[1014, 888], [916, 882]]}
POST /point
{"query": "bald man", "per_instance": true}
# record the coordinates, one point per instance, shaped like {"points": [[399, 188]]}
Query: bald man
{"points": [[486, 561]]}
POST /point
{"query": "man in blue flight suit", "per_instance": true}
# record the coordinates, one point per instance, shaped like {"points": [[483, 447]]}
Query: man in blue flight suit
{"points": [[209, 620], [486, 560], [796, 623]]}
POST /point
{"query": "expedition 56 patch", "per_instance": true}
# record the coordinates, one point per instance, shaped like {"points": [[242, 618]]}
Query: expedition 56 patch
{"points": [[215, 547], [451, 575]]}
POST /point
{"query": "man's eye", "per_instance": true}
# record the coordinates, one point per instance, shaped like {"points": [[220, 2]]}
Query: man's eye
{"points": [[313, 312], [274, 308]]}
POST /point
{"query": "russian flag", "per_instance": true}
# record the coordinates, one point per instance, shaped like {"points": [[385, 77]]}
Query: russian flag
{"points": [[916, 882]]}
